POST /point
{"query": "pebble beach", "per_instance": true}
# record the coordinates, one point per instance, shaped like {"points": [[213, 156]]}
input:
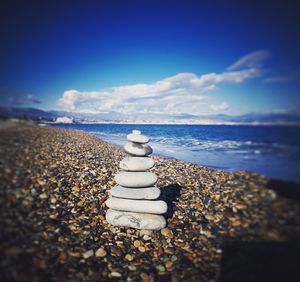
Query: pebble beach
{"points": [[53, 187]]}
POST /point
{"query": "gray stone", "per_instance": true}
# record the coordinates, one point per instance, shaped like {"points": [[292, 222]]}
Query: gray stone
{"points": [[136, 163], [135, 220], [137, 137], [149, 193], [145, 206], [136, 179], [138, 149]]}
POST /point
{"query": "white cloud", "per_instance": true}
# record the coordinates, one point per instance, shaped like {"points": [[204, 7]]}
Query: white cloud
{"points": [[252, 60], [181, 93], [219, 107]]}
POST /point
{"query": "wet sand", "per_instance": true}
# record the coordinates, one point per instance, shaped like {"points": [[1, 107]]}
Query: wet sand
{"points": [[221, 226]]}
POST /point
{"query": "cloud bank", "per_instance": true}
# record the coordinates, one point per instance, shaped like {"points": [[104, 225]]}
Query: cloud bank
{"points": [[181, 93]]}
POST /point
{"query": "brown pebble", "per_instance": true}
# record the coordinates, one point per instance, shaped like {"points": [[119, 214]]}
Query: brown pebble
{"points": [[166, 232], [62, 256], [101, 252], [145, 277], [129, 257], [74, 254], [142, 249], [116, 251], [209, 217], [169, 264], [137, 243], [169, 251]]}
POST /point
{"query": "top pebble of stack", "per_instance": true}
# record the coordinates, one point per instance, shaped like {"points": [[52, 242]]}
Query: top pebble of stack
{"points": [[137, 137]]}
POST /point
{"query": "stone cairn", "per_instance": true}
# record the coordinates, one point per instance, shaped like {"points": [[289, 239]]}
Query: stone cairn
{"points": [[134, 202]]}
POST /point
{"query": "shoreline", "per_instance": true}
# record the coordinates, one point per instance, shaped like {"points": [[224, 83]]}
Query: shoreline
{"points": [[275, 124], [54, 183], [225, 154]]}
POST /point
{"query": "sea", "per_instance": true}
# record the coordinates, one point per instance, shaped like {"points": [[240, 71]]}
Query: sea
{"points": [[273, 151]]}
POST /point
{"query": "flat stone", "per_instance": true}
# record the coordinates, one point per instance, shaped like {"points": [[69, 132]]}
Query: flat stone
{"points": [[138, 149], [136, 163], [149, 193], [143, 221], [144, 206], [136, 179], [137, 137]]}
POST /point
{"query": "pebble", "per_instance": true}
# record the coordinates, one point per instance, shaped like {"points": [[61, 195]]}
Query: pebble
{"points": [[52, 200], [146, 232], [160, 268], [145, 277], [146, 238], [88, 254], [51, 161], [169, 264], [167, 233], [129, 257], [116, 251], [137, 243], [132, 267], [100, 253], [115, 274], [43, 196]]}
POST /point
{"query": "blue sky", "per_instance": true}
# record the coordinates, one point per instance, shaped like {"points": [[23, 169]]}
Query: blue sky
{"points": [[150, 56]]}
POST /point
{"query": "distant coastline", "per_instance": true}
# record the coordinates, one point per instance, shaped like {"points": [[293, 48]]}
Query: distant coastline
{"points": [[187, 123], [250, 119]]}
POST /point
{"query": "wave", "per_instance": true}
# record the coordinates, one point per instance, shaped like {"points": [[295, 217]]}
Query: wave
{"points": [[274, 152], [172, 144]]}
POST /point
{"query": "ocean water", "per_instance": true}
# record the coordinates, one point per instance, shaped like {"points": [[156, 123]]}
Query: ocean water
{"points": [[273, 151]]}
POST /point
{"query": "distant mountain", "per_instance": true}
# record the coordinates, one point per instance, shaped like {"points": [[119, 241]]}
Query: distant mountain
{"points": [[99, 116], [26, 113], [250, 118], [268, 117]]}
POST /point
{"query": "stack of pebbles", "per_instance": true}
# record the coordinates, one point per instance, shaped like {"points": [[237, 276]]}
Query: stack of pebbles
{"points": [[134, 202]]}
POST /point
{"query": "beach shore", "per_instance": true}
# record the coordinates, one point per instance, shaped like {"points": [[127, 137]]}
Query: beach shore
{"points": [[220, 225]]}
